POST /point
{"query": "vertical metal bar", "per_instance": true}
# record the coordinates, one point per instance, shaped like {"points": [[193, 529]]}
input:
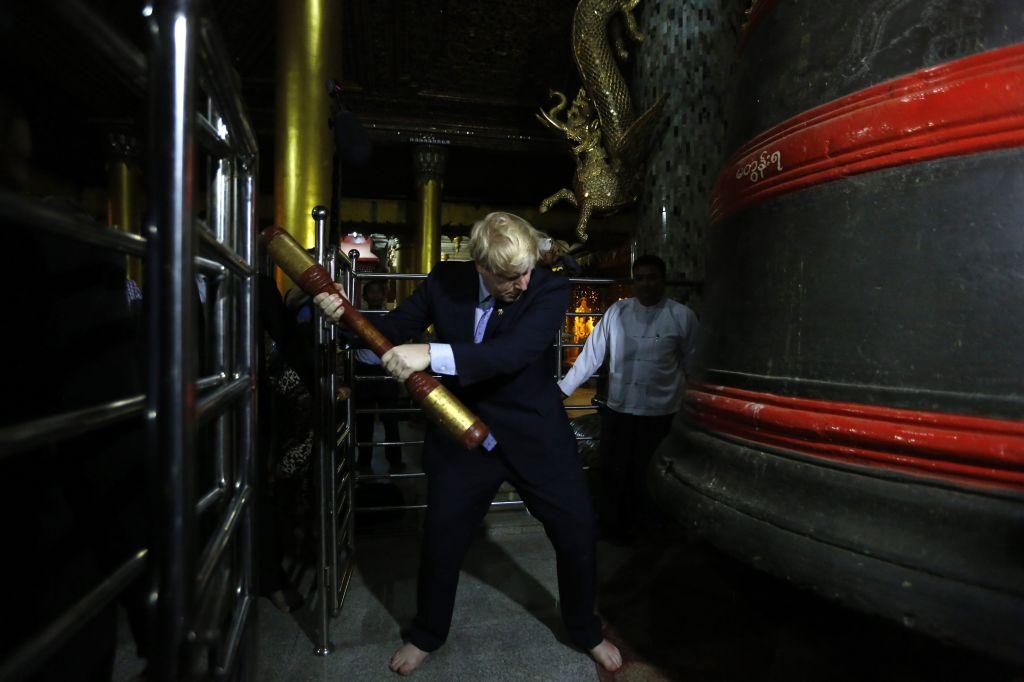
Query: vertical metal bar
{"points": [[350, 290], [558, 345], [350, 440], [220, 205], [171, 356], [324, 476], [331, 431], [350, 451], [246, 471]]}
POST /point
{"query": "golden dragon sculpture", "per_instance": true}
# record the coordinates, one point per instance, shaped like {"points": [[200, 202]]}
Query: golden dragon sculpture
{"points": [[608, 141]]}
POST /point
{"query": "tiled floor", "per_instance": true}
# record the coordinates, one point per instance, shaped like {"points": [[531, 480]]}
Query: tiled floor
{"points": [[679, 609], [506, 623]]}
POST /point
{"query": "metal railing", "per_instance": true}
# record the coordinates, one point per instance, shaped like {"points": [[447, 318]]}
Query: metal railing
{"points": [[206, 585], [334, 466], [203, 594]]}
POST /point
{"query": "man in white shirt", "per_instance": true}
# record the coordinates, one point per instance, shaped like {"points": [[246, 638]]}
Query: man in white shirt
{"points": [[649, 342]]}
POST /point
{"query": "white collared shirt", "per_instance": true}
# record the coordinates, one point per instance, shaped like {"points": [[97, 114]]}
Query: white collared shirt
{"points": [[442, 360], [649, 349]]}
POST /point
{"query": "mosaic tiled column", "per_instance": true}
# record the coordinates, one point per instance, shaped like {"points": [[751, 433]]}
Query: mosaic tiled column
{"points": [[689, 55]]}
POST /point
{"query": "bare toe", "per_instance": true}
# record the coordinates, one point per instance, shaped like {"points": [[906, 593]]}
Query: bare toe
{"points": [[407, 659], [607, 655]]}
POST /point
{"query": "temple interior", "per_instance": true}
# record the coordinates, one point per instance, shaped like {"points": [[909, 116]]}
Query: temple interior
{"points": [[748, 383]]}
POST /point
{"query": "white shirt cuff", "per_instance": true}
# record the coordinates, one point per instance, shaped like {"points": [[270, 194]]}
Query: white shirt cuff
{"points": [[367, 357], [563, 386], [442, 360]]}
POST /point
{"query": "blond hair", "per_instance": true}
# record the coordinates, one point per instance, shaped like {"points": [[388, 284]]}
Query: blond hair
{"points": [[504, 243]]}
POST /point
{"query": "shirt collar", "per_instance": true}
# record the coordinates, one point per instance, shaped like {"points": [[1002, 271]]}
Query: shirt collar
{"points": [[641, 306], [483, 294]]}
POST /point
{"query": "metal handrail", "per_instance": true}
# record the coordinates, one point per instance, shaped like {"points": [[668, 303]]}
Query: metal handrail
{"points": [[123, 58], [389, 275], [206, 625], [390, 476], [238, 622], [209, 137], [226, 89], [390, 443], [34, 652], [186, 49], [324, 439], [16, 208], [212, 381], [598, 280], [129, 64], [210, 406], [495, 506], [209, 267], [166, 78], [389, 410], [232, 260], [219, 541], [209, 499], [348, 461], [29, 435]]}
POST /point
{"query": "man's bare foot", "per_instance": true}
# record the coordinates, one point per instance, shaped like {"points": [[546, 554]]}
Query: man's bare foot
{"points": [[607, 654], [410, 657]]}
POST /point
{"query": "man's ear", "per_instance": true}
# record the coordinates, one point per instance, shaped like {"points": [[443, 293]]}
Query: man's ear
{"points": [[479, 268]]}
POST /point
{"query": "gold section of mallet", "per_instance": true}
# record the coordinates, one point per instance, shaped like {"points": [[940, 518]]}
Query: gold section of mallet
{"points": [[450, 413], [289, 256]]}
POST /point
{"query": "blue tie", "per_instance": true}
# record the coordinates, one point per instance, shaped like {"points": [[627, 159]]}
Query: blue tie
{"points": [[486, 307]]}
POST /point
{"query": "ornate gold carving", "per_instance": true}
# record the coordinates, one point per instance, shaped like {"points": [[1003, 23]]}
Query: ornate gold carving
{"points": [[429, 159], [393, 256], [608, 142]]}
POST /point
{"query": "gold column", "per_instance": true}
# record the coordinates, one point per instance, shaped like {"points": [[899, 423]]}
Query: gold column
{"points": [[123, 177], [308, 53], [429, 161]]}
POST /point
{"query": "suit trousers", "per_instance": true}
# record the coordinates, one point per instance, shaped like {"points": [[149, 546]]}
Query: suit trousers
{"points": [[628, 441], [459, 492]]}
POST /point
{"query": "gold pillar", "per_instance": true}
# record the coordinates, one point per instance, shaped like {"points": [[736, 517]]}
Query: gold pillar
{"points": [[429, 160], [123, 177], [308, 53]]}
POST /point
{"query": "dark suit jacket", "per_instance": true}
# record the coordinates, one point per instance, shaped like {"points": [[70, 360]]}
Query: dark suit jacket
{"points": [[508, 378]]}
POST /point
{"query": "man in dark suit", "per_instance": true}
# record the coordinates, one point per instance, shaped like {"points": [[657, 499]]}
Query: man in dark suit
{"points": [[494, 319]]}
